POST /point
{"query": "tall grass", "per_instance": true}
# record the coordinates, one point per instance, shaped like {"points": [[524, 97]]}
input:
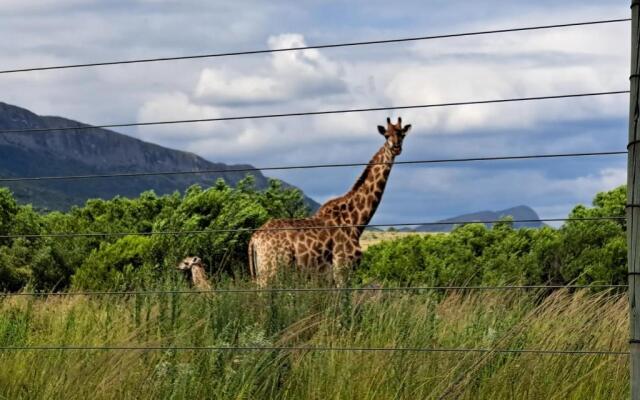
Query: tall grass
{"points": [[512, 319]]}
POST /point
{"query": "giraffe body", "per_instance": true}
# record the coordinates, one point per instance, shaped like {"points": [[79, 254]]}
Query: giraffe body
{"points": [[327, 241]]}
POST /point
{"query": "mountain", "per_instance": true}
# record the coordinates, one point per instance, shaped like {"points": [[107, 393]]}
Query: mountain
{"points": [[519, 212], [89, 151]]}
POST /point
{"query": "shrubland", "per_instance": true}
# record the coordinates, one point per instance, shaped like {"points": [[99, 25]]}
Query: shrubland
{"points": [[582, 252], [579, 252], [237, 344], [46, 262]]}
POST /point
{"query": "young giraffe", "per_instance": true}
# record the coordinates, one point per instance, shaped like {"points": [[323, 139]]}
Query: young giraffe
{"points": [[194, 270], [283, 242]]}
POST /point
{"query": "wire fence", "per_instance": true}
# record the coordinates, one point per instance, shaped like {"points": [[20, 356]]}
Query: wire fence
{"points": [[303, 228], [325, 112], [321, 46], [314, 166], [320, 289], [318, 348], [314, 290]]}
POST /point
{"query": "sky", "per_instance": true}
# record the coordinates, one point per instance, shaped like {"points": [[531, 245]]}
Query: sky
{"points": [[536, 63]]}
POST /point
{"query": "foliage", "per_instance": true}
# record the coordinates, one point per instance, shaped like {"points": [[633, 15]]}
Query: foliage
{"points": [[120, 265], [580, 252], [122, 261]]}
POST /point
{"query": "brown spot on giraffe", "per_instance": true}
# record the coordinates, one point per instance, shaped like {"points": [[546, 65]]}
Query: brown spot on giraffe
{"points": [[315, 243]]}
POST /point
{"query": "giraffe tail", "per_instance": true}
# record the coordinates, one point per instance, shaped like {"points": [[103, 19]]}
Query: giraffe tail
{"points": [[253, 260]]}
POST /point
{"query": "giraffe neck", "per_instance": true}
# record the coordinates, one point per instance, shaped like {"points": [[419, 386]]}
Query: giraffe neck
{"points": [[367, 192], [199, 277], [360, 203]]}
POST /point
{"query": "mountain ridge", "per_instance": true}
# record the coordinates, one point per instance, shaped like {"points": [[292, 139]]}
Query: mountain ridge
{"points": [[89, 151], [520, 212]]}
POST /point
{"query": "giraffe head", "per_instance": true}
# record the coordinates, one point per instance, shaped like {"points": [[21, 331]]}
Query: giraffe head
{"points": [[394, 133], [188, 263]]}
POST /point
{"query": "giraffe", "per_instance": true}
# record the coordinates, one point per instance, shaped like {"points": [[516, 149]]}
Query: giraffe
{"points": [[194, 269], [314, 243]]}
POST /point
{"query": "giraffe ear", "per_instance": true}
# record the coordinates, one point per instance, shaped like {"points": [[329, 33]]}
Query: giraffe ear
{"points": [[406, 129], [382, 129]]}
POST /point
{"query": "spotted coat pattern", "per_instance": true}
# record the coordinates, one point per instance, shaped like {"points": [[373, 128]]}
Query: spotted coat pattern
{"points": [[320, 243]]}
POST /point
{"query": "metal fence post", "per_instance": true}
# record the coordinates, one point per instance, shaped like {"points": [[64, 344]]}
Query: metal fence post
{"points": [[633, 207]]}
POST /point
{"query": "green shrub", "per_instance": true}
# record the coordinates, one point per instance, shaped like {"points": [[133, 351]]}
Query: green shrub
{"points": [[122, 265], [114, 261], [582, 252]]}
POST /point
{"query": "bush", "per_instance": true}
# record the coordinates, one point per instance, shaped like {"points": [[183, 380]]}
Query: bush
{"points": [[114, 261], [122, 265], [579, 252], [582, 252]]}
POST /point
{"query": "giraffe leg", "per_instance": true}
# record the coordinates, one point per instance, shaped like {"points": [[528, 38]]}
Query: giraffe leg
{"points": [[275, 264], [266, 262], [345, 261]]}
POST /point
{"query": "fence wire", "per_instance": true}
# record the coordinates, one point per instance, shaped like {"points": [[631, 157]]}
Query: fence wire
{"points": [[316, 349], [303, 228], [313, 290], [313, 166], [327, 289], [325, 112], [321, 46]]}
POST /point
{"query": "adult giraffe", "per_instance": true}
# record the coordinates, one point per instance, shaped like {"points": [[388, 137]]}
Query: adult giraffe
{"points": [[314, 243]]}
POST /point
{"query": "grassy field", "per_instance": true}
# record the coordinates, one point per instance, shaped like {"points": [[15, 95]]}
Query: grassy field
{"points": [[508, 319], [369, 238]]}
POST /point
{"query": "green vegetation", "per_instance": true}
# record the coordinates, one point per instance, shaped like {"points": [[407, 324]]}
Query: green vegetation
{"points": [[582, 252], [578, 252], [581, 320], [130, 261]]}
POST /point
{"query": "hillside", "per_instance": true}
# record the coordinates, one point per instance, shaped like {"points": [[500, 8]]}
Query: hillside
{"points": [[518, 212], [94, 151]]}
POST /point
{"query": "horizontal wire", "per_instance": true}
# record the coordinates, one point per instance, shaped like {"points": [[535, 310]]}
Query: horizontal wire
{"points": [[320, 348], [309, 166], [321, 46], [325, 112], [317, 348], [311, 290], [318, 227]]}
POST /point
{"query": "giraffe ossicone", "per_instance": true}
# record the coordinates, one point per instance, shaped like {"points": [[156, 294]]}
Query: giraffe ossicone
{"points": [[322, 243]]}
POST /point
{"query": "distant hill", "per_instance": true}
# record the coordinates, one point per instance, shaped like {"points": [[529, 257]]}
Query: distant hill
{"points": [[90, 151], [519, 212]]}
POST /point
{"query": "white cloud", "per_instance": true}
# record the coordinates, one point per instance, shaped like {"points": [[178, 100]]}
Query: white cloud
{"points": [[176, 106], [526, 184], [345, 127], [218, 86], [446, 83], [288, 78], [525, 64], [290, 75]]}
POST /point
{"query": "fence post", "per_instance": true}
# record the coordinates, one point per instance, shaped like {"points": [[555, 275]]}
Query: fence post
{"points": [[633, 207]]}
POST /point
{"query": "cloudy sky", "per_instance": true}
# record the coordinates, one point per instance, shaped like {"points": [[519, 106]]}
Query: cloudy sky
{"points": [[537, 63]]}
